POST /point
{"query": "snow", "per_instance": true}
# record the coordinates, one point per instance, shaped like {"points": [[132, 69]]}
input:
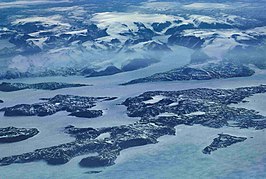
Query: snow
{"points": [[108, 18], [38, 41], [197, 113], [47, 20], [257, 31], [174, 104], [218, 42], [5, 44], [120, 22], [155, 99], [173, 155], [219, 47], [103, 136], [166, 114], [77, 32], [256, 102], [197, 19]]}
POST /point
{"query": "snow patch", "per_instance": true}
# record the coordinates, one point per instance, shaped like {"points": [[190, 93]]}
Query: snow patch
{"points": [[103, 136], [198, 113], [155, 99], [167, 114]]}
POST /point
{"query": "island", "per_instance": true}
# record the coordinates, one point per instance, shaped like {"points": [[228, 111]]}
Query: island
{"points": [[13, 134], [159, 112], [78, 106], [224, 140], [9, 87], [198, 72]]}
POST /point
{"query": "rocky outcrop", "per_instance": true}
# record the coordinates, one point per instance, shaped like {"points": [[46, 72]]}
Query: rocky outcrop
{"points": [[132, 65], [160, 112], [197, 106], [205, 72], [9, 87], [110, 70], [186, 41], [13, 134], [224, 140], [138, 64], [93, 172], [76, 105], [87, 113]]}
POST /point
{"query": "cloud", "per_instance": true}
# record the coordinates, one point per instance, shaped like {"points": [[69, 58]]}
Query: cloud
{"points": [[49, 20], [25, 3], [199, 6], [160, 6]]}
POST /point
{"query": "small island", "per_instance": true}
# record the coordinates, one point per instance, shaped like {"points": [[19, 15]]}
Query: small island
{"points": [[223, 141], [10, 87], [13, 134]]}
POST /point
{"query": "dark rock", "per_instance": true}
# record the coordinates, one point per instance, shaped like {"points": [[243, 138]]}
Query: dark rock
{"points": [[87, 71], [224, 140], [111, 70], [110, 99], [88, 113], [159, 27], [186, 41], [96, 161], [12, 134], [76, 105], [258, 125], [199, 57], [135, 142], [197, 106], [207, 72], [155, 46], [9, 87], [95, 32], [59, 157], [175, 31], [93, 172], [144, 32], [132, 65], [138, 64]]}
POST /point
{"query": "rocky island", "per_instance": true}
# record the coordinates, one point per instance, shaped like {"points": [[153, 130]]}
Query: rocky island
{"points": [[9, 87], [13, 134], [224, 140], [198, 72], [160, 112], [76, 105]]}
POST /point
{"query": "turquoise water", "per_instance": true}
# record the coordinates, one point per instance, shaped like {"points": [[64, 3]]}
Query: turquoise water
{"points": [[181, 157], [177, 156]]}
